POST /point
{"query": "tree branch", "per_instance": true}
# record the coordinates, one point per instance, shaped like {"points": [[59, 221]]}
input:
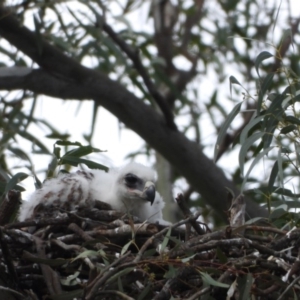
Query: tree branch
{"points": [[67, 79]]}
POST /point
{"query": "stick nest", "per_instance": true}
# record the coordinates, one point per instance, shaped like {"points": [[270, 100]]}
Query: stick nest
{"points": [[104, 254]]}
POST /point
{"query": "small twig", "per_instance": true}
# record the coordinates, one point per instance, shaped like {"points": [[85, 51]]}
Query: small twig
{"points": [[6, 289], [265, 228], [7, 258], [134, 56], [75, 228], [116, 293], [187, 213], [106, 274], [289, 286], [66, 247], [106, 269], [200, 293], [39, 222], [51, 277], [155, 236]]}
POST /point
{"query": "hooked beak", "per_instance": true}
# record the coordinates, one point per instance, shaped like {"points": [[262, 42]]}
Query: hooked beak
{"points": [[149, 192]]}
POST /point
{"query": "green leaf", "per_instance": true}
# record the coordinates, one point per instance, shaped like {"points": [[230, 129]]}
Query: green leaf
{"points": [[245, 147], [11, 184], [253, 221], [81, 151], [273, 176], [67, 143], [280, 169], [233, 80], [57, 135], [244, 134], [287, 129], [244, 286], [71, 280], [225, 126], [144, 292], [165, 241], [263, 89], [261, 57], [294, 97], [292, 119], [255, 161], [210, 281], [120, 273], [297, 150], [125, 248], [272, 117], [74, 161], [85, 254]]}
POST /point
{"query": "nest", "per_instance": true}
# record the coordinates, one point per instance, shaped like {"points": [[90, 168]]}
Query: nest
{"points": [[104, 254]]}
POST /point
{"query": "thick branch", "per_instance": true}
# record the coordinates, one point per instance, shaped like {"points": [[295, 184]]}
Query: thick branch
{"points": [[69, 80]]}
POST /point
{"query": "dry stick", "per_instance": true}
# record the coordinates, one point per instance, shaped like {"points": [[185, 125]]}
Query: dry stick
{"points": [[6, 289], [200, 293], [187, 213], [39, 222], [67, 247], [75, 228], [7, 258], [151, 239], [105, 277], [116, 293], [134, 56], [289, 286], [95, 284], [265, 228], [50, 276]]}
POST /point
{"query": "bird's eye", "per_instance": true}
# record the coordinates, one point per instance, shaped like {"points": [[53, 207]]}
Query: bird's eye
{"points": [[131, 179]]}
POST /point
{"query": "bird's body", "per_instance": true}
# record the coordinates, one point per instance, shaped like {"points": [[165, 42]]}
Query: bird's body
{"points": [[128, 189]]}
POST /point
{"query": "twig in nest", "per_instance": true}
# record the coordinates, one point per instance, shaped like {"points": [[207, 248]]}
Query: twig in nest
{"points": [[8, 259], [110, 270], [75, 228], [161, 233], [187, 214], [50, 276]]}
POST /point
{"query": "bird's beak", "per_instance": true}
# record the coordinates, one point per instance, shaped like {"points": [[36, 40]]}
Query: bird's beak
{"points": [[149, 192]]}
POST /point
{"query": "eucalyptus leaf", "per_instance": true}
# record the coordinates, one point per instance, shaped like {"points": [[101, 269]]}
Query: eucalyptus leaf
{"points": [[260, 58], [225, 126], [253, 164], [288, 129], [245, 147], [210, 281], [14, 180], [75, 161]]}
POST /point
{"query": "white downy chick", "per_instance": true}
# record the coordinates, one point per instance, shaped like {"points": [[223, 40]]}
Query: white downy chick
{"points": [[128, 189]]}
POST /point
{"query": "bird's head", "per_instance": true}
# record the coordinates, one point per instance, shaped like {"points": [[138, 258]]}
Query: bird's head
{"points": [[136, 182]]}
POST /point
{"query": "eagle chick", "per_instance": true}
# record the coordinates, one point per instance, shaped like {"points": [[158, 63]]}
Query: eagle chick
{"points": [[128, 189]]}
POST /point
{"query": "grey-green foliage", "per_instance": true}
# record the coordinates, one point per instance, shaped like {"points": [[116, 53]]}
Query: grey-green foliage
{"points": [[200, 38], [271, 135]]}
